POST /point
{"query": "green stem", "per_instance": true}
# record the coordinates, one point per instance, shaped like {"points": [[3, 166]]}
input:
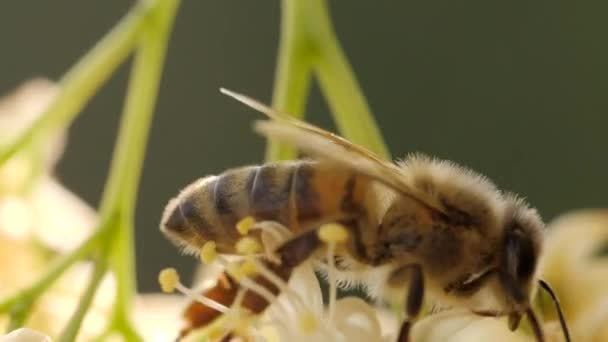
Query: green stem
{"points": [[293, 72], [121, 189], [308, 40], [84, 79], [70, 331], [149, 25], [342, 91]]}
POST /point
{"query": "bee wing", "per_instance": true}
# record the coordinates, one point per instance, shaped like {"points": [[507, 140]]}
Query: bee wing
{"points": [[329, 147]]}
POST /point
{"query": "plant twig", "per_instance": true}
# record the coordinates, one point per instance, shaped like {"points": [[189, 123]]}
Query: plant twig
{"points": [[29, 295], [70, 331], [308, 41], [293, 72], [120, 192], [84, 79]]}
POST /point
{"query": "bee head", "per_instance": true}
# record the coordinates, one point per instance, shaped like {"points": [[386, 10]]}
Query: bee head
{"points": [[521, 249]]}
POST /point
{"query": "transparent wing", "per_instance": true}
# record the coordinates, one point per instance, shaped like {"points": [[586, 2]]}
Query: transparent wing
{"points": [[328, 147]]}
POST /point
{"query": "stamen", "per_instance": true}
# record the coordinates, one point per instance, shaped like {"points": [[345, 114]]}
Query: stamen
{"points": [[168, 279], [208, 252], [216, 333], [273, 235], [244, 225], [202, 299], [238, 300], [279, 232], [248, 246], [308, 323], [234, 270], [292, 296], [243, 269], [331, 279], [169, 282], [242, 323], [333, 232]]}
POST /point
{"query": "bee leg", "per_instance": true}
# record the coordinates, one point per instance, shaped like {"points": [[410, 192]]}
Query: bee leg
{"points": [[198, 315], [413, 302], [291, 254], [295, 251]]}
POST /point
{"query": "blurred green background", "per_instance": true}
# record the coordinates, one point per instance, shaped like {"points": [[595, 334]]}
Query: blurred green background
{"points": [[514, 89]]}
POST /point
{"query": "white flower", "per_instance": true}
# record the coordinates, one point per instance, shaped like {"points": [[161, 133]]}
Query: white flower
{"points": [[297, 313], [576, 272], [18, 111], [40, 219], [25, 335], [460, 325], [301, 315]]}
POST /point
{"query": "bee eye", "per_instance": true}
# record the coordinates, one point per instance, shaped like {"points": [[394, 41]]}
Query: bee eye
{"points": [[518, 262], [519, 254], [526, 259]]}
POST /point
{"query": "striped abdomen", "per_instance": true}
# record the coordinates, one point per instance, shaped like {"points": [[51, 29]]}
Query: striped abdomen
{"points": [[296, 194]]}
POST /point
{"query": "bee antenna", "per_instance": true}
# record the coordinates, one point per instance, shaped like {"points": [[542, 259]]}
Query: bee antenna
{"points": [[536, 328], [562, 320]]}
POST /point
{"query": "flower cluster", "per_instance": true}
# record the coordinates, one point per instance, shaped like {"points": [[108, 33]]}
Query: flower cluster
{"points": [[296, 311], [41, 220]]}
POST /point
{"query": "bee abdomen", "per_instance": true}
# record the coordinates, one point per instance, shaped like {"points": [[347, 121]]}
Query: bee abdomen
{"points": [[291, 193]]}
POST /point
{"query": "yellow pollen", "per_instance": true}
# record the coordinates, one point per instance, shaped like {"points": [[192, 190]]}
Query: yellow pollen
{"points": [[333, 233], [308, 323], [168, 279], [216, 333], [208, 252], [242, 325], [244, 225], [245, 269], [248, 246]]}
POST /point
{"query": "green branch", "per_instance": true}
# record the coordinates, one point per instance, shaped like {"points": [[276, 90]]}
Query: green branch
{"points": [[70, 331], [293, 72], [147, 27], [56, 269], [84, 79], [308, 41], [120, 193]]}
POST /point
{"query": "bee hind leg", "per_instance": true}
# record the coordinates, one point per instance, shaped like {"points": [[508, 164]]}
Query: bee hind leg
{"points": [[291, 254], [413, 302], [295, 251]]}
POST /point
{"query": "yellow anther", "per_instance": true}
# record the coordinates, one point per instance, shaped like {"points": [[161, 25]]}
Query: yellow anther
{"points": [[216, 333], [242, 324], [245, 269], [333, 233], [248, 246], [308, 323], [244, 225], [168, 279], [208, 252], [248, 268]]}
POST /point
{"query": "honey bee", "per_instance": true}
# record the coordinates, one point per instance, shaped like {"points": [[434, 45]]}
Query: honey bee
{"points": [[438, 228]]}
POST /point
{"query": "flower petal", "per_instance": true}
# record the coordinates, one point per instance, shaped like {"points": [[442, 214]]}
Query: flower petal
{"points": [[25, 335], [64, 220], [459, 325], [357, 320]]}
